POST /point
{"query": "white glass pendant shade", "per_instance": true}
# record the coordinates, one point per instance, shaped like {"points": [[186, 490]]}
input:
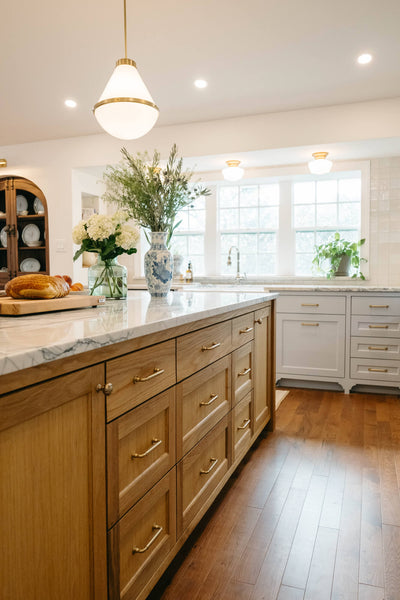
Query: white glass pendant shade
{"points": [[233, 172], [320, 164], [126, 109]]}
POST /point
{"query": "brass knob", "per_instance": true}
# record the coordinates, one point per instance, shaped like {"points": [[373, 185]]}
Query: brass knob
{"points": [[107, 388]]}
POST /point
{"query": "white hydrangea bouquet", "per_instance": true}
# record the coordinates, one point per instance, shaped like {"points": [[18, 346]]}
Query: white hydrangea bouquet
{"points": [[109, 236]]}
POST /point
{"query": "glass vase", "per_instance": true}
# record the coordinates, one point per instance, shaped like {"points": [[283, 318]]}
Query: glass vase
{"points": [[108, 278]]}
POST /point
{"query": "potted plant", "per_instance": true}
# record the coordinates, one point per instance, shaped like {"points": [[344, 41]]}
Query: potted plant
{"points": [[337, 255], [153, 196]]}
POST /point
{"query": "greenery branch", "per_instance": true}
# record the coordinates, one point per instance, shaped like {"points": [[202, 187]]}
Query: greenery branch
{"points": [[334, 250]]}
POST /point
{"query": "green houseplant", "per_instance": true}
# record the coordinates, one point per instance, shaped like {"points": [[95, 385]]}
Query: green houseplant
{"points": [[335, 257], [153, 195]]}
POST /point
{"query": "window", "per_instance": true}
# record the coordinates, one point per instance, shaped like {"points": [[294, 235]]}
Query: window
{"points": [[188, 238]]}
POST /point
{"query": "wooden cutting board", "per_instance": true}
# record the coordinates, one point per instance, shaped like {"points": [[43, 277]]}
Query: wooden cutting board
{"points": [[11, 307]]}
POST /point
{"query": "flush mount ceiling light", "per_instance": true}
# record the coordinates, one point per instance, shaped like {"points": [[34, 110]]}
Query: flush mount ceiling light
{"points": [[70, 103], [3, 162], [364, 59], [320, 164], [233, 172], [126, 109], [201, 83]]}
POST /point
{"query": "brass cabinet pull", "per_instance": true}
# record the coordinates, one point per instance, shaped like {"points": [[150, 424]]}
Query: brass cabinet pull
{"points": [[158, 529], [378, 348], [154, 443], [306, 304], [245, 372], [379, 305], [212, 399], [155, 373], [246, 423], [378, 326], [213, 462], [258, 321], [247, 330], [107, 388], [212, 347], [310, 324], [377, 370]]}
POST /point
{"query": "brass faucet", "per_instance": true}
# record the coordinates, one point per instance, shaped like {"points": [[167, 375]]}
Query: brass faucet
{"points": [[238, 275]]}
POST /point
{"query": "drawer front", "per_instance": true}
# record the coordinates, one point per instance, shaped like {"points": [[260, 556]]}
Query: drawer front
{"points": [[375, 326], [320, 304], [243, 426], [242, 371], [375, 305], [142, 539], [139, 376], [198, 349], [140, 449], [381, 348], [200, 471], [202, 400], [242, 330], [377, 370]]}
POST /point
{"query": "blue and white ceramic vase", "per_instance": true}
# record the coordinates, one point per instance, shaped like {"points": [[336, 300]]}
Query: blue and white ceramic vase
{"points": [[158, 265]]}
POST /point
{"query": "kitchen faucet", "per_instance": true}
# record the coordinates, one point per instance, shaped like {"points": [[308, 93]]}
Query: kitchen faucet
{"points": [[238, 276]]}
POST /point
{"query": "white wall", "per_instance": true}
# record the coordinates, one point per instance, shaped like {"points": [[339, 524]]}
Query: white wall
{"points": [[51, 164]]}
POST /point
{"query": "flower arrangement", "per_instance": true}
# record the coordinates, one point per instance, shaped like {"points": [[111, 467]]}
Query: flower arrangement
{"points": [[109, 237]]}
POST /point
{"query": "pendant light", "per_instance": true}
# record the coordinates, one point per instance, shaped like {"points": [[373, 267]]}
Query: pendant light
{"points": [[320, 164], [233, 172], [126, 109]]}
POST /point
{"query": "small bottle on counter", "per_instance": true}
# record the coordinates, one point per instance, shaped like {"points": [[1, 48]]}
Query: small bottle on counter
{"points": [[189, 273]]}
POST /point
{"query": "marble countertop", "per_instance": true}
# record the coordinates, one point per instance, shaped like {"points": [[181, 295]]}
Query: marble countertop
{"points": [[32, 340], [331, 288]]}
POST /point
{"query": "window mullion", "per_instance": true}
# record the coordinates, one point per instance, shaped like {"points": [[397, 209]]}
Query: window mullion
{"points": [[286, 237], [211, 235]]}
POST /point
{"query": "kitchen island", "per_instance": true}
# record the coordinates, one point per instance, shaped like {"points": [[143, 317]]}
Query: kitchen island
{"points": [[119, 427]]}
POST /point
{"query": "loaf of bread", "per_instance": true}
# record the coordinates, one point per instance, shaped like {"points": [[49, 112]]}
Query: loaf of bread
{"points": [[36, 286]]}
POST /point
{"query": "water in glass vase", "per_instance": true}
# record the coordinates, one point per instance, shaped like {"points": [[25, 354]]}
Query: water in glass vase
{"points": [[108, 278]]}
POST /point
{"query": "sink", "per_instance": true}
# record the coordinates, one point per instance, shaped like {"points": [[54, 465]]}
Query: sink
{"points": [[223, 287]]}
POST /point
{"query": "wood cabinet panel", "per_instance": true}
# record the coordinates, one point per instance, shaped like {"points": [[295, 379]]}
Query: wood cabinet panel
{"points": [[381, 348], [318, 304], [376, 370], [378, 326], [375, 305], [198, 349], [242, 330], [242, 426], [264, 392], [242, 371]]}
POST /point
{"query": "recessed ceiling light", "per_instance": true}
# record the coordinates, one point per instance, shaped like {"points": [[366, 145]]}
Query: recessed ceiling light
{"points": [[70, 103], [201, 83], [364, 59]]}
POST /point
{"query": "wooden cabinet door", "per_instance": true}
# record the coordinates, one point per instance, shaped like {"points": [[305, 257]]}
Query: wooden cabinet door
{"points": [[53, 492], [263, 368], [8, 260]]}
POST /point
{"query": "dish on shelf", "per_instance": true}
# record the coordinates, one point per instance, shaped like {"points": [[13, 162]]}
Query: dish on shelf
{"points": [[22, 213], [3, 236], [38, 206], [22, 203], [2, 214], [30, 233], [29, 265], [34, 244]]}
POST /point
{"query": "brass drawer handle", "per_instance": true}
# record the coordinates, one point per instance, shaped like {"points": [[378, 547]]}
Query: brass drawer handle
{"points": [[379, 305], [155, 442], [212, 347], [310, 324], [306, 304], [155, 373], [247, 330], [246, 423], [378, 348], [212, 399], [245, 372], [213, 462], [378, 326], [378, 370], [158, 529], [107, 388], [258, 321]]}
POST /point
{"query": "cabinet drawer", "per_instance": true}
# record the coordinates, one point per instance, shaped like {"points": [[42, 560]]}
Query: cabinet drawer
{"points": [[139, 376], [375, 305], [242, 371], [375, 326], [202, 400], [377, 370], [321, 304], [140, 449], [243, 426], [198, 349], [200, 472], [381, 348], [242, 330], [142, 539]]}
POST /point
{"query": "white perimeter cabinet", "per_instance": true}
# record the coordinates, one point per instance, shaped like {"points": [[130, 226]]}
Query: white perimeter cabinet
{"points": [[338, 337]]}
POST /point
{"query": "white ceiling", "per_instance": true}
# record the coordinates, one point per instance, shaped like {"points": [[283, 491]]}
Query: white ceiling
{"points": [[258, 56]]}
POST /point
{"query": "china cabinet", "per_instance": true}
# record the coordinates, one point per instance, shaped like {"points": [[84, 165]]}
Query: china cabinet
{"points": [[24, 231]]}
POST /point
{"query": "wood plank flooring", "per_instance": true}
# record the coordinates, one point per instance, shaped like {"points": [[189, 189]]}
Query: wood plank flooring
{"points": [[313, 512]]}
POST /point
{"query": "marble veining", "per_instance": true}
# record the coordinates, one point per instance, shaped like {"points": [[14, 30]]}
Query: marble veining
{"points": [[32, 340]]}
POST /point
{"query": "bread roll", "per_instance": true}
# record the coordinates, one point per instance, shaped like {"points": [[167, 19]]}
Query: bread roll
{"points": [[36, 286]]}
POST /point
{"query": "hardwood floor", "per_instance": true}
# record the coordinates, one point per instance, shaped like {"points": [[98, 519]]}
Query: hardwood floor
{"points": [[313, 512]]}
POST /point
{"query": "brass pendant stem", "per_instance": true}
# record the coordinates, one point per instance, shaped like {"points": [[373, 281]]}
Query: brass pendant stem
{"points": [[126, 46]]}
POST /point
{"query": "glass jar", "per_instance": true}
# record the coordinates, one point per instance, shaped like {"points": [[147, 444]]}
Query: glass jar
{"points": [[108, 278]]}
